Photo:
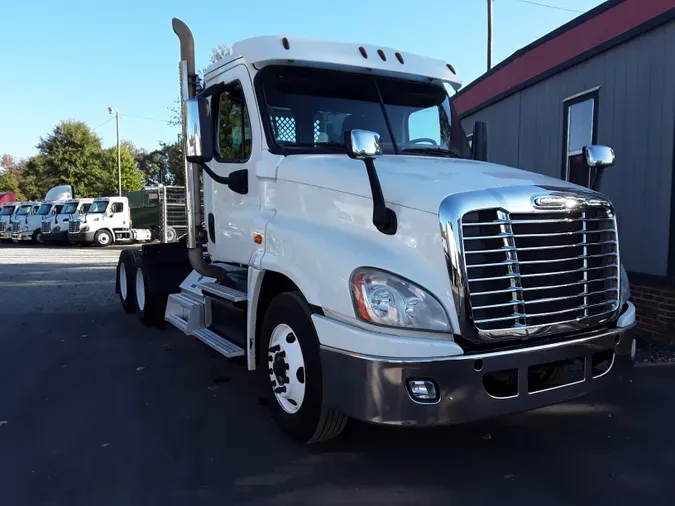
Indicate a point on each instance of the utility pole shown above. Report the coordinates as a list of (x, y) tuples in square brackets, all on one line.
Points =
[(489, 31), (119, 157)]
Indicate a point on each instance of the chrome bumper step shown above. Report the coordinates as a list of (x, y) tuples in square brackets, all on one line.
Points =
[(224, 292)]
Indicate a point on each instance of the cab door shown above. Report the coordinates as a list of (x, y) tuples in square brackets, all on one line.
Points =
[(232, 215)]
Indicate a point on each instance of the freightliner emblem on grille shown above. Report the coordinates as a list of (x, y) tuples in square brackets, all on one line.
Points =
[(567, 201)]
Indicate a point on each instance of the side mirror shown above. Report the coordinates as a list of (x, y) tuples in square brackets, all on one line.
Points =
[(199, 138), (363, 144), (598, 158), (479, 145)]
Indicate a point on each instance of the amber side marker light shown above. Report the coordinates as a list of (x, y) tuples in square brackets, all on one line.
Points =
[(382, 55), (285, 43), (399, 57), (452, 69), (257, 239), (363, 52)]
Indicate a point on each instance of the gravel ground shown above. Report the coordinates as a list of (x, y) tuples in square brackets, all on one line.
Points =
[(95, 409)]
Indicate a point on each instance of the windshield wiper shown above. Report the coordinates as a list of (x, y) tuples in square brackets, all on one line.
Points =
[(432, 151)]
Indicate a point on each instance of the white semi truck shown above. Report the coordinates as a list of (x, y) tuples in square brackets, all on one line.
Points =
[(7, 211), (55, 227), (364, 261), (107, 221)]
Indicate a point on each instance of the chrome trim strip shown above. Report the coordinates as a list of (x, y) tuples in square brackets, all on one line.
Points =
[(452, 358)]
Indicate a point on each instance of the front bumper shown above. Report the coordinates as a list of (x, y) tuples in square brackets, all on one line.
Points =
[(82, 237), (374, 389), (61, 236), (22, 236)]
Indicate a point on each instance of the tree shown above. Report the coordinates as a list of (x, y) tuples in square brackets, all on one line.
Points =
[(217, 53), (132, 177), (10, 183), (71, 155)]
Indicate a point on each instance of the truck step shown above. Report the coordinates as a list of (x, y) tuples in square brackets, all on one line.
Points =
[(218, 343), (224, 292), (185, 311)]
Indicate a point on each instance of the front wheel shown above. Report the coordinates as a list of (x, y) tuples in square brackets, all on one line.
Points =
[(103, 238), (291, 372)]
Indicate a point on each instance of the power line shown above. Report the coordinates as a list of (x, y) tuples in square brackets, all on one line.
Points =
[(103, 124), (555, 7), (144, 117)]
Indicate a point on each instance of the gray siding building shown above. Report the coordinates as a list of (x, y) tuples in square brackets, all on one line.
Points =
[(607, 77)]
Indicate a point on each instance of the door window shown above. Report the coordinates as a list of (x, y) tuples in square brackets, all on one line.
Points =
[(234, 126)]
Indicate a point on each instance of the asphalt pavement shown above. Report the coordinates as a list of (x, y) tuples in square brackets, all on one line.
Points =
[(97, 410)]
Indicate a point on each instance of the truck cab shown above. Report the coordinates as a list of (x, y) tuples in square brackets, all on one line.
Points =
[(55, 227), (365, 260), (25, 224), (7, 211)]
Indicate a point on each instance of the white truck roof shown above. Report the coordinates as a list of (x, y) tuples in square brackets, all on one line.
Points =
[(290, 50)]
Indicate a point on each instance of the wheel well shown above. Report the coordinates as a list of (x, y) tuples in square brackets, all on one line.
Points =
[(273, 284)]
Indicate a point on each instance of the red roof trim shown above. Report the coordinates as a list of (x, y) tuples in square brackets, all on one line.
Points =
[(608, 24)]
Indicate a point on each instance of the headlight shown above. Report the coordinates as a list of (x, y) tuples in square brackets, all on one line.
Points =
[(625, 287), (385, 299), (24, 228)]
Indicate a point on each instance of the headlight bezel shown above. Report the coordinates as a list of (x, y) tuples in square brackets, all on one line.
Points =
[(365, 282)]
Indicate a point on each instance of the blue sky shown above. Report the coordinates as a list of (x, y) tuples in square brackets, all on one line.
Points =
[(72, 59)]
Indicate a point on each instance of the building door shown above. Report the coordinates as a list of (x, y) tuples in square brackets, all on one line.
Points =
[(580, 129)]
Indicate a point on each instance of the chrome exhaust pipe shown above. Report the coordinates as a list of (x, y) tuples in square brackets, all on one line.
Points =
[(188, 89)]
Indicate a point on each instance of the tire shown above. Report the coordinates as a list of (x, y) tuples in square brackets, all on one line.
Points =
[(103, 238), (288, 326), (126, 264), (150, 305), (35, 238)]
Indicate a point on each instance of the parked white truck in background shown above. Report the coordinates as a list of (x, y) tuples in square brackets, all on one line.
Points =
[(55, 227), (7, 210), (23, 221), (364, 260), (106, 222)]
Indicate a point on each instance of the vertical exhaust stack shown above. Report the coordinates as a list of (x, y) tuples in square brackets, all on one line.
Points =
[(188, 84)]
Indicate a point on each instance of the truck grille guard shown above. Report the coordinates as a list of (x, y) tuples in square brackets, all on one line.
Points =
[(520, 270), (45, 227)]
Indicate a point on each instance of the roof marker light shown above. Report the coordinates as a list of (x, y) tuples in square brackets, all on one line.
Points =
[(284, 41), (363, 51), (382, 55), (399, 57), (452, 69)]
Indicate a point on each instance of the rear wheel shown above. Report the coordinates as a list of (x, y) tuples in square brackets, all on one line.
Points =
[(126, 283), (292, 375), (103, 238), (35, 238), (149, 305)]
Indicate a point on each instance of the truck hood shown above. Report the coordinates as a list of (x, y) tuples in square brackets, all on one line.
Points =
[(417, 182)]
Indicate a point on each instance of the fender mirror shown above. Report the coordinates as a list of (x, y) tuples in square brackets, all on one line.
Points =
[(199, 138), (598, 158)]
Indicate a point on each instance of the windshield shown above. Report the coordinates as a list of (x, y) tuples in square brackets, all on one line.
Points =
[(98, 207), (69, 208), (309, 110), (44, 209), (23, 210), (7, 211)]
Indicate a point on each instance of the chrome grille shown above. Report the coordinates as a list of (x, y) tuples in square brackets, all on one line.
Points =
[(534, 272), (73, 227), (3, 226), (45, 227), (16, 226)]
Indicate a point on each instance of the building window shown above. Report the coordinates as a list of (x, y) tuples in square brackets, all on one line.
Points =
[(580, 129), (234, 126)]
